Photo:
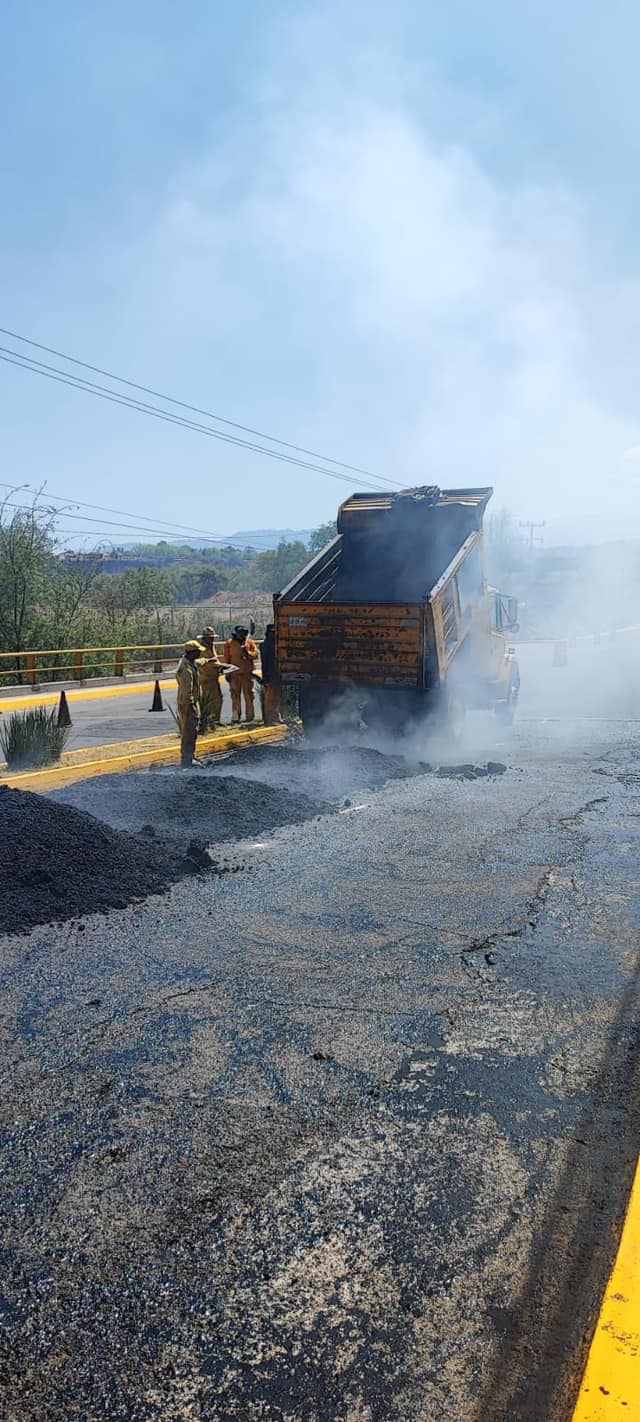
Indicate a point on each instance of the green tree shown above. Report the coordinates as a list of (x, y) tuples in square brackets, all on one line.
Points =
[(69, 592), (195, 584), (132, 592), (273, 569), (26, 563), (322, 535)]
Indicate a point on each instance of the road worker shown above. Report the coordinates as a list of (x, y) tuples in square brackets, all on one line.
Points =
[(240, 651), (188, 679), (270, 679), (210, 668)]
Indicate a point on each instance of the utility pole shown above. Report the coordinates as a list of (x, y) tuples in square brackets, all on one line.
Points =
[(533, 537)]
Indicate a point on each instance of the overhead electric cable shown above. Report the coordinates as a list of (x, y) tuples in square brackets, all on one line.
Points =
[(196, 409), (101, 522), (90, 387), (101, 508)]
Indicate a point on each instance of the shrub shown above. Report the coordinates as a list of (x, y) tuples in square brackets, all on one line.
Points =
[(32, 738)]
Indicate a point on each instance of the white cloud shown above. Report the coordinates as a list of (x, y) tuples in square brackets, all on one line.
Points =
[(360, 286)]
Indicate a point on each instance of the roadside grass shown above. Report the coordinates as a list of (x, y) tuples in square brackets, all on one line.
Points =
[(32, 738)]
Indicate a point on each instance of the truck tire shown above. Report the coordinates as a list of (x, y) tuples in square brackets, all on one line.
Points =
[(505, 711)]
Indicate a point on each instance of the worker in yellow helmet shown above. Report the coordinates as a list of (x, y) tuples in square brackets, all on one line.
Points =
[(188, 679), (210, 668)]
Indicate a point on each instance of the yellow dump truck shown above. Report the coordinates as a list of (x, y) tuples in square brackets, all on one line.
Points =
[(395, 615)]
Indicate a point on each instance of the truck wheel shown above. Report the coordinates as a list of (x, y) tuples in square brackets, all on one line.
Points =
[(505, 710)]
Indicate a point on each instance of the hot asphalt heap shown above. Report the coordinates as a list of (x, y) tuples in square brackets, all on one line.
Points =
[(101, 844), (58, 862)]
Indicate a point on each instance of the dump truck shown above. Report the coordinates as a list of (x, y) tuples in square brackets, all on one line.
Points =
[(395, 615)]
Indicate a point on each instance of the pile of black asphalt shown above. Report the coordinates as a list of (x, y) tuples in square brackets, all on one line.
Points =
[(248, 794), (58, 862), (104, 843), (176, 804)]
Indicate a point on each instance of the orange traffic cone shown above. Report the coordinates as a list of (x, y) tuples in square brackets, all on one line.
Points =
[(560, 657), (156, 704), (64, 717)]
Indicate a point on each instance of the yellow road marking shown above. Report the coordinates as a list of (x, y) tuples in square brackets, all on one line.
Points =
[(133, 755), (93, 693), (610, 1389)]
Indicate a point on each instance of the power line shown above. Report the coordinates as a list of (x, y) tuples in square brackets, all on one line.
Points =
[(100, 538), (196, 410), (533, 537), (90, 387), (81, 503), (101, 522)]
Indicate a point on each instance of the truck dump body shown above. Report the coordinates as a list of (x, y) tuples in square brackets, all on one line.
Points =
[(336, 642), (382, 605), (390, 547)]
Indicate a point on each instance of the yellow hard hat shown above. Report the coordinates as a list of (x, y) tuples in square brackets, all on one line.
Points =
[(194, 646)]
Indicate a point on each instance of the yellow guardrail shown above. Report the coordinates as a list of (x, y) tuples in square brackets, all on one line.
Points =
[(30, 668)]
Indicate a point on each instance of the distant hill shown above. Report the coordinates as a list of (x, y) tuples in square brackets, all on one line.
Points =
[(258, 539), (263, 538)]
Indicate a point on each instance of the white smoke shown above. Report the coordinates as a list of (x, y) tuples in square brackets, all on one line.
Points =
[(368, 285)]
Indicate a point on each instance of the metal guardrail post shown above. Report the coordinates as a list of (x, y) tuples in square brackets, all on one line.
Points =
[(119, 663), (31, 668), (157, 665), (78, 670)]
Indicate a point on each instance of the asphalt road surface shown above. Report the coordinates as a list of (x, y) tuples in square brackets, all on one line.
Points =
[(346, 1135), (102, 721), (106, 719)]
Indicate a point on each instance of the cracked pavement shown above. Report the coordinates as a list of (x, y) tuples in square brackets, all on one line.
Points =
[(348, 1137)]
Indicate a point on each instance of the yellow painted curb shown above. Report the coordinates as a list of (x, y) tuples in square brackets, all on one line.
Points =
[(610, 1389), (92, 693), (134, 755), (86, 754)]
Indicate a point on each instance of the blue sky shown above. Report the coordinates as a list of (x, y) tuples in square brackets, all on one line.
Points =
[(405, 239)]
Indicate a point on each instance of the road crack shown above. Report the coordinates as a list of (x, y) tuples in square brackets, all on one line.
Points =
[(536, 903)]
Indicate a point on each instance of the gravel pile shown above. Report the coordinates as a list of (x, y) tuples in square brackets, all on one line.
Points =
[(213, 807), (57, 863), (104, 842), (326, 773)]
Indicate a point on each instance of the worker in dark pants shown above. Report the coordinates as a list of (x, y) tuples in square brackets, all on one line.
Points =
[(270, 679), (188, 679)]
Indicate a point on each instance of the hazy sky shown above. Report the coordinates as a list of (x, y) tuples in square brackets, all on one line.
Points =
[(404, 235)]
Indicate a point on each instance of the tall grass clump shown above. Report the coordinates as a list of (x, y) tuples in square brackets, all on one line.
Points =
[(32, 738)]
